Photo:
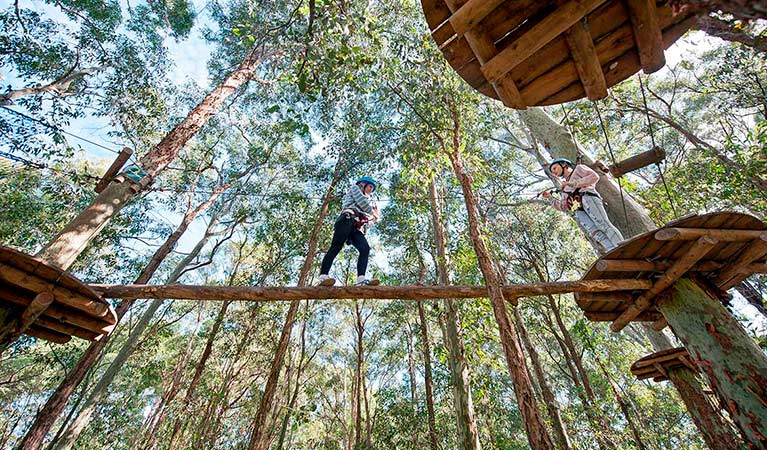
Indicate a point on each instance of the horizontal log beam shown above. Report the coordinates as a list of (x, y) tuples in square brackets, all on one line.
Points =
[(723, 235), (640, 265), (637, 161), (698, 250), (471, 13), (729, 275), (609, 316), (537, 36), (48, 335), (14, 276), (616, 298), (414, 292)]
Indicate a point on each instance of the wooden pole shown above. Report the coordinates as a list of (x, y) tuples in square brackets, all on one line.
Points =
[(755, 250), (691, 234), (680, 267), (735, 366), (113, 169), (415, 292), (31, 313), (638, 161)]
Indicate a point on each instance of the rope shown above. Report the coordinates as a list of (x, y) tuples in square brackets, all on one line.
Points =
[(569, 128), (612, 156), (41, 166), (652, 139)]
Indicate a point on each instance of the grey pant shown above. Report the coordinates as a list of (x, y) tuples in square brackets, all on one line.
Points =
[(594, 219)]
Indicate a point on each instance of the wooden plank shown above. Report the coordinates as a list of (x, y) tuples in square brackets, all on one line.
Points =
[(117, 164), (610, 298), (413, 292), (538, 36), (641, 265), (14, 276), (647, 33), (755, 250), (58, 312), (680, 267), (638, 161), (48, 335), (435, 11), (659, 324), (484, 49), (67, 329), (723, 235), (609, 316), (586, 60), (661, 358), (471, 13)]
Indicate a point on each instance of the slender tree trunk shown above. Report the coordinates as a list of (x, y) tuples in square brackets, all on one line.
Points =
[(433, 439), (358, 376), (730, 31), (72, 240), (560, 143), (185, 412), (259, 440), (552, 406), (534, 425), (59, 86), (468, 436), (735, 366)]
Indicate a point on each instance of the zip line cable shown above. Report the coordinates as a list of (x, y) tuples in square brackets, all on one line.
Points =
[(652, 140), (41, 166)]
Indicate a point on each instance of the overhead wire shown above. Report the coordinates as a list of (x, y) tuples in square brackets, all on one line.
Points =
[(612, 156)]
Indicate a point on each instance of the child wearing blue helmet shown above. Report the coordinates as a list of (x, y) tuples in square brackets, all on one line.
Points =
[(357, 210), (579, 193)]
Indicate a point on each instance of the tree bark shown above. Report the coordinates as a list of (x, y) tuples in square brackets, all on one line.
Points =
[(460, 378), (729, 31), (735, 366), (560, 143), (552, 406), (433, 439), (259, 439), (59, 86), (741, 9), (535, 427), (72, 240)]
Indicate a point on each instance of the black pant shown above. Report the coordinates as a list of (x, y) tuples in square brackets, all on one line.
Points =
[(344, 231)]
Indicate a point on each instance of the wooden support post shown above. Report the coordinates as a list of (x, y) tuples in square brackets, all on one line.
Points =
[(691, 234), (537, 36), (641, 265), (471, 13), (413, 292), (647, 34), (15, 328), (638, 161), (484, 49), (729, 276), (113, 169), (677, 270), (586, 60), (28, 281), (735, 366)]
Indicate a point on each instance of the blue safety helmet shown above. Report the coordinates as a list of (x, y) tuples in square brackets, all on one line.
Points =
[(368, 180), (561, 161)]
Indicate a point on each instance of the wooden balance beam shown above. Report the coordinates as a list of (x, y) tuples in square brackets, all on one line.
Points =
[(412, 292)]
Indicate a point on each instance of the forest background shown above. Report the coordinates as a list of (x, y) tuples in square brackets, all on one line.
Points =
[(342, 89)]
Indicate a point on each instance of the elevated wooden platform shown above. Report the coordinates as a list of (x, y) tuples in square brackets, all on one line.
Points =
[(723, 248), (657, 365), (530, 52), (48, 302), (412, 292)]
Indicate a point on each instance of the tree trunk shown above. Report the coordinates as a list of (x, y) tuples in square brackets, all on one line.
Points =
[(735, 366), (184, 412), (433, 440), (560, 143), (358, 374), (468, 436), (739, 8), (535, 427), (59, 86), (552, 407), (258, 440), (729, 31), (72, 240)]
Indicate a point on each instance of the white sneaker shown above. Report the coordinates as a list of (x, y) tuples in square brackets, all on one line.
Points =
[(326, 281), (365, 282)]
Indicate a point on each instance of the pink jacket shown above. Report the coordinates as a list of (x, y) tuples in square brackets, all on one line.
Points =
[(583, 178)]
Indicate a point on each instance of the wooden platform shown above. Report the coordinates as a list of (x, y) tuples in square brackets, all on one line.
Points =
[(657, 365), (75, 310), (722, 248), (530, 52)]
